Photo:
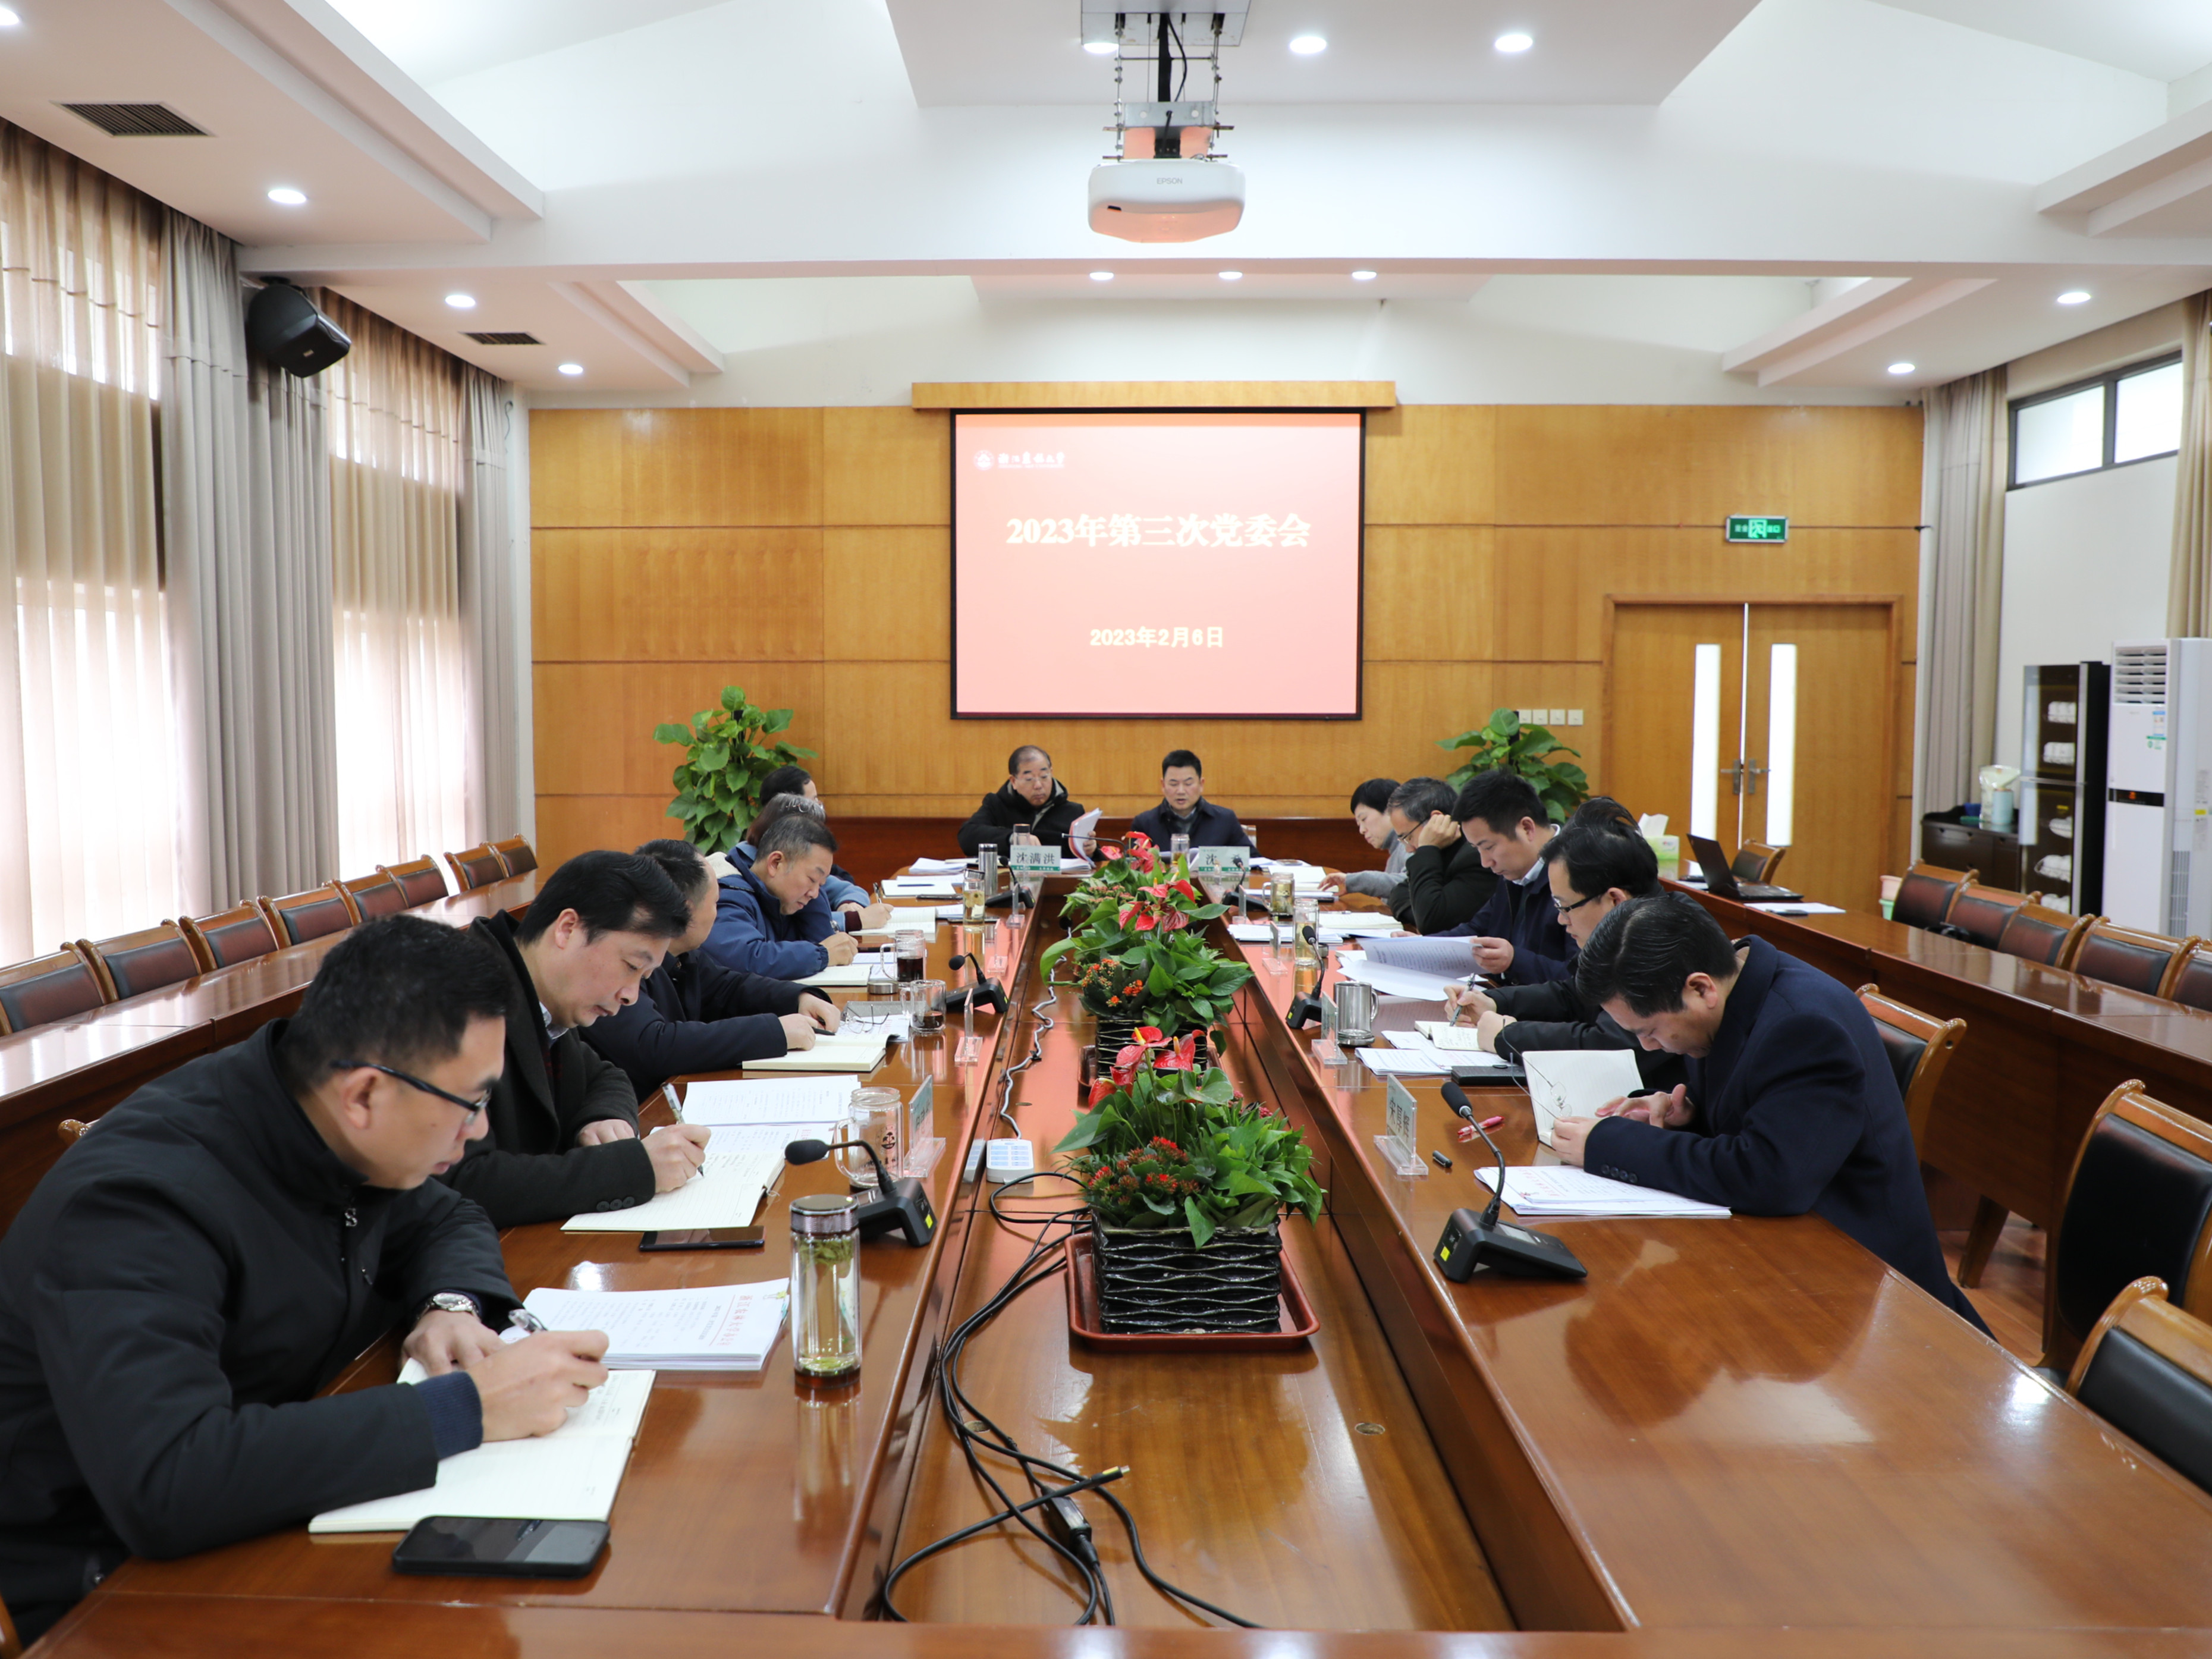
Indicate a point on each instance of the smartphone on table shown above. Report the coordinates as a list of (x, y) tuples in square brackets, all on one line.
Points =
[(477, 1544), (705, 1238)]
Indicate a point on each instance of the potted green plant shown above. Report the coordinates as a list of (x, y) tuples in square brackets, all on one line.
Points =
[(1503, 743), (1185, 1184), (727, 751)]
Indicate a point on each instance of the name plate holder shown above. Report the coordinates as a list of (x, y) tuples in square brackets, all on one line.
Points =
[(1027, 868), (1401, 1119), (923, 1149)]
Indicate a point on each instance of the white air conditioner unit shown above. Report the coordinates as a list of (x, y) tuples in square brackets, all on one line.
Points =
[(2158, 808)]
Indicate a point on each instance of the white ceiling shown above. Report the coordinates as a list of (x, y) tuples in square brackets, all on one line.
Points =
[(2164, 40), (436, 41)]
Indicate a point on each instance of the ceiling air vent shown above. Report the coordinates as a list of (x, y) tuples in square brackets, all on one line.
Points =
[(502, 339), (137, 120)]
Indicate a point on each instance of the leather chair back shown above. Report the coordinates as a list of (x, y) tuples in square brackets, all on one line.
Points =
[(298, 917), (1919, 1047), (47, 988), (517, 854), (2139, 1203), (1980, 913), (420, 880), (2042, 934), (2147, 1370), (1756, 861), (2124, 957), (479, 866), (2191, 981), (371, 896), (1924, 898), (144, 961), (230, 937)]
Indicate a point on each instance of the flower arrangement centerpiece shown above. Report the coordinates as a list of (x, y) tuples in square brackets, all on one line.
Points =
[(1186, 1183), (1136, 930)]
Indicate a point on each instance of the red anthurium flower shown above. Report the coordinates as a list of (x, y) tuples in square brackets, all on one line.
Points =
[(1144, 924), (1186, 1050), (1128, 910), (1185, 889), (1100, 1087), (1138, 838), (1149, 1035), (1177, 919)]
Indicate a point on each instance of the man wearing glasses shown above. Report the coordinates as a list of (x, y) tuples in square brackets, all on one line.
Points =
[(215, 1250), (563, 1120), (1031, 799)]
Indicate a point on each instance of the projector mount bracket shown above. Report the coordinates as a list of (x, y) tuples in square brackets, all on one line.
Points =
[(1168, 124)]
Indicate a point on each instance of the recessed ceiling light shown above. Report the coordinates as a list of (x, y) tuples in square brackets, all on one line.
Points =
[(1307, 45), (572, 368), (1101, 48), (8, 18), (1232, 276), (2075, 296), (285, 196), (1515, 41), (1363, 276), (462, 301), (1902, 368), (1102, 276)]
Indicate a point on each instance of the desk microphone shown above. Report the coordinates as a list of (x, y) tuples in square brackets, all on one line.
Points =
[(1470, 1241), (902, 1207), (1303, 1010), (983, 993)]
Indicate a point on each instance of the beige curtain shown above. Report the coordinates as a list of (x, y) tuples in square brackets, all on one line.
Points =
[(494, 598), (87, 784), (404, 713), (1962, 508), (2188, 587)]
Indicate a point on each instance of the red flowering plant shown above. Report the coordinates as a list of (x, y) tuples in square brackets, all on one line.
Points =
[(1144, 913), (1165, 1145)]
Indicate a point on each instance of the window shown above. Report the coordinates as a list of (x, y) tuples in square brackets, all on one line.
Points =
[(2129, 415)]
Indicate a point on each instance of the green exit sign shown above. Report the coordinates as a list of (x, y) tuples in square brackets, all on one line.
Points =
[(1744, 527)]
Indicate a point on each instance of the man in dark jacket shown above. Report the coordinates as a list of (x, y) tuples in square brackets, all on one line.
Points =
[(769, 915), (1185, 811), (215, 1250), (564, 1137), (1031, 799), (1598, 862), (1518, 936), (694, 1015), (1446, 881), (1790, 1104)]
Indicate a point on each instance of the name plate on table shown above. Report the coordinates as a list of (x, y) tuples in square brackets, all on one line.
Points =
[(1033, 861), (1222, 863), (922, 1147), (1401, 1119)]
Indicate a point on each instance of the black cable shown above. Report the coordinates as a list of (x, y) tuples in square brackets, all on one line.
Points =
[(1182, 52)]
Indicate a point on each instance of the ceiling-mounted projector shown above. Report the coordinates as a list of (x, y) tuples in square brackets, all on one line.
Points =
[(1165, 181)]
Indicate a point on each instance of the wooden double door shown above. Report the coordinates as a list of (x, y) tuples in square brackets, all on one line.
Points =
[(1751, 720)]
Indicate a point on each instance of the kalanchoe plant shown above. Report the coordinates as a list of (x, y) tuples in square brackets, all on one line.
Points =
[(1165, 1146), (1110, 988)]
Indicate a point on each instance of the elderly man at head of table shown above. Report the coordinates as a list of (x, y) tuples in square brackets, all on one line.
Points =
[(212, 1252), (1790, 1104)]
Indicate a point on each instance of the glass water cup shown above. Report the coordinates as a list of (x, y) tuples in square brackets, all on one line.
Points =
[(1178, 847), (882, 981), (1282, 893), (873, 1116), (826, 1285), (924, 1000), (912, 953), (1304, 914), (972, 895)]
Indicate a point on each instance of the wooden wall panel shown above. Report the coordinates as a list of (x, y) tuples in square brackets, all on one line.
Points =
[(805, 554), (677, 595)]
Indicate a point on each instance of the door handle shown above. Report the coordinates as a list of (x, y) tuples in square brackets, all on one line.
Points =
[(1735, 777), (1752, 772)]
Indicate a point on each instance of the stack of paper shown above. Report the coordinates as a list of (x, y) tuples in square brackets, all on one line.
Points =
[(1394, 981), (1442, 1033), (840, 1051), (939, 866), (784, 1100), (850, 976), (1795, 908), (705, 1328), (741, 1163), (1448, 958), (906, 919), (570, 1474), (1576, 1082), (1458, 1046), (1355, 923), (1536, 1190), (920, 887), (1420, 1060)]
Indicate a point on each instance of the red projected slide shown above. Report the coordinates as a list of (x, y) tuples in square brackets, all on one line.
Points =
[(1156, 564)]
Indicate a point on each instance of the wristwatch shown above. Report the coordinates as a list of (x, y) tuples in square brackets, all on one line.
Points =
[(452, 1301)]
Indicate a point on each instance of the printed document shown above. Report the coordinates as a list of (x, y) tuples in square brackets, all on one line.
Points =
[(1576, 1082), (705, 1327), (741, 1164), (823, 1100), (840, 1051), (1537, 1190)]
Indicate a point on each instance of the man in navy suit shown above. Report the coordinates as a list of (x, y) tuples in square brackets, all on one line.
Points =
[(1184, 809), (1791, 1105)]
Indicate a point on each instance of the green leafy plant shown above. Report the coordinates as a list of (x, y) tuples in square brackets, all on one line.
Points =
[(1503, 744), (1163, 1144), (727, 752), (1149, 920)]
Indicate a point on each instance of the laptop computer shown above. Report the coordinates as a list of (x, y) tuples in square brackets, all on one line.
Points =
[(1719, 878)]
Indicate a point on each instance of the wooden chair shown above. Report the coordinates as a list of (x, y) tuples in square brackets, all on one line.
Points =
[(1980, 913), (229, 937), (1755, 861), (2147, 1370), (1924, 898), (2139, 1202), (1919, 1047), (2039, 933), (47, 988), (420, 880), (2127, 957), (371, 896), (479, 866), (71, 1130), (144, 961), (517, 852), (2191, 980), (298, 917)]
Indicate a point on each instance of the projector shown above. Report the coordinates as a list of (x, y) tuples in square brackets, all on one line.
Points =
[(1169, 200)]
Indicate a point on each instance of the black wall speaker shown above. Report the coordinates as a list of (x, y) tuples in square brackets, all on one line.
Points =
[(284, 325)]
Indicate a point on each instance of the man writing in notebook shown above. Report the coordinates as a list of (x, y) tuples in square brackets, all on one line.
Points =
[(185, 1282), (769, 916), (1790, 1104), (564, 1136)]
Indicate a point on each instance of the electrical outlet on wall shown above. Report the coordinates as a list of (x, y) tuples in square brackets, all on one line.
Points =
[(1574, 717)]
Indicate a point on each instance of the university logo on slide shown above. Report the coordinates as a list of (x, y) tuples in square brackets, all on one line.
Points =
[(982, 460)]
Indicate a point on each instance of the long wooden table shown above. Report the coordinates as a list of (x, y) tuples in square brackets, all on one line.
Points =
[(1744, 1436)]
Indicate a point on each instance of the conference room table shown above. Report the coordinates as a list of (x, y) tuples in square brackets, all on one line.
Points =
[(1736, 1437)]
